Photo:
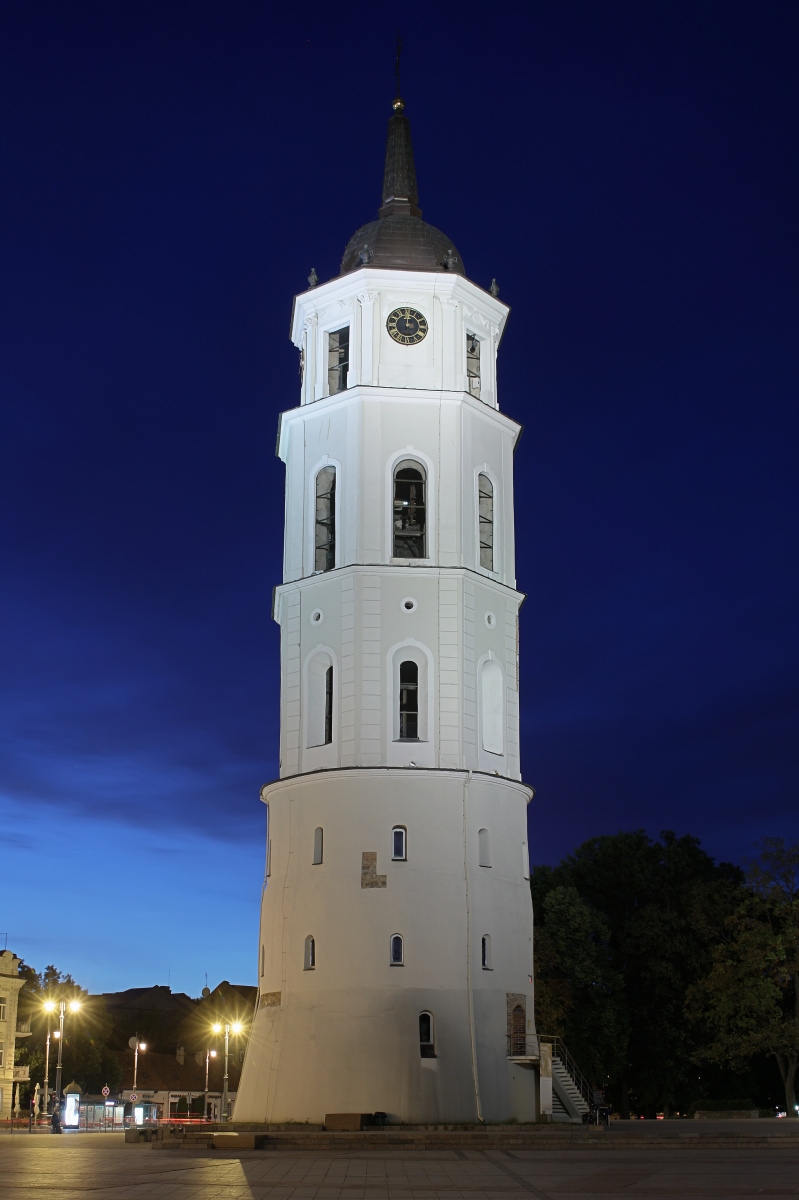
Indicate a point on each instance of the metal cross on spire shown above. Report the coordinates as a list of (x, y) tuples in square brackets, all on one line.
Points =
[(398, 104)]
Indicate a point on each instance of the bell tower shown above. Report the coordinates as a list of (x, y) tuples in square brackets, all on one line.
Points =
[(396, 957)]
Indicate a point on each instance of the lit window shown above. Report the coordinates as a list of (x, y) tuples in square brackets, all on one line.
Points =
[(409, 511), (427, 1046), (484, 848), (398, 852), (310, 953), (338, 360), (486, 951), (485, 497), (396, 950), (473, 364), (409, 702), (317, 846), (325, 536)]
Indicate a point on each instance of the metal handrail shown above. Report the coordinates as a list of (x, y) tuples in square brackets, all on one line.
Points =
[(559, 1051)]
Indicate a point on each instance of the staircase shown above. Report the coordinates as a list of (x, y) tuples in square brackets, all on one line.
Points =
[(570, 1089)]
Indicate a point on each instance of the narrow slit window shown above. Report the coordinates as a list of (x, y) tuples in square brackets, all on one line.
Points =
[(485, 951), (485, 499), (325, 530), (409, 511), (318, 837), (484, 848), (398, 846), (409, 702), (525, 860), (473, 364), (263, 956), (396, 950), (310, 953), (328, 706), (427, 1046), (338, 360)]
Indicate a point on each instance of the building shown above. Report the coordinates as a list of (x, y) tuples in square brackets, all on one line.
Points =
[(396, 946), (11, 1028), (165, 1081)]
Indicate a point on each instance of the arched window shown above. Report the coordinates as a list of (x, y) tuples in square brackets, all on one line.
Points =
[(517, 1034), (409, 511), (484, 848), (492, 707), (320, 700), (408, 701), (325, 532), (398, 843), (310, 953), (396, 950), (485, 951), (485, 508), (473, 363), (427, 1045), (317, 845)]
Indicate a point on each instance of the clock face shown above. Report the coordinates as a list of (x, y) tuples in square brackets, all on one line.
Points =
[(407, 326)]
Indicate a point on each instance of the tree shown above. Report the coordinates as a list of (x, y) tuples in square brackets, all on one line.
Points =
[(748, 1003), (86, 1056), (653, 912)]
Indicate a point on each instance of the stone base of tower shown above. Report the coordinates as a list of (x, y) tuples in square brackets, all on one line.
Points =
[(337, 1027), (347, 1057)]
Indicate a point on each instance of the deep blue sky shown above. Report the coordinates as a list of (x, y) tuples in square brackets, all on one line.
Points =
[(171, 173)]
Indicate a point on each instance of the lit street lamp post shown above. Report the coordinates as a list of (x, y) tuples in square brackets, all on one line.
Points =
[(136, 1046), (235, 1028), (209, 1054), (49, 1007), (74, 1005)]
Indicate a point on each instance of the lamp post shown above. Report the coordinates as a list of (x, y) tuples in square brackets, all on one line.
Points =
[(209, 1054), (235, 1028), (74, 1005), (49, 1007), (136, 1046)]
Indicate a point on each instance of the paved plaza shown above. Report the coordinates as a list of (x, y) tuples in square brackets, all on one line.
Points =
[(79, 1165)]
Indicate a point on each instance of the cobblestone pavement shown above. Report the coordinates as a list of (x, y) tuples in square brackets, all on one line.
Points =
[(95, 1165)]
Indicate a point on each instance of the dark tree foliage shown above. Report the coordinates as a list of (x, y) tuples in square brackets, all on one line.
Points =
[(624, 926), (86, 1055), (747, 1005)]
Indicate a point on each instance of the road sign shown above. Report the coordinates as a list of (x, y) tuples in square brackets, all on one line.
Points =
[(133, 1097), (106, 1090)]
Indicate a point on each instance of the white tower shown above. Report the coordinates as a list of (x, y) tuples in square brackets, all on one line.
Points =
[(396, 953)]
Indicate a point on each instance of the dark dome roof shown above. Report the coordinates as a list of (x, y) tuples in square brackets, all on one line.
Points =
[(401, 241), (399, 237)]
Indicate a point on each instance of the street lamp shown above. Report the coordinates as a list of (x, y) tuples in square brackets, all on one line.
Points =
[(136, 1046), (74, 1005), (234, 1028), (49, 1007), (209, 1054)]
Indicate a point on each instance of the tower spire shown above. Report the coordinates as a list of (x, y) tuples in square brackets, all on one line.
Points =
[(400, 193)]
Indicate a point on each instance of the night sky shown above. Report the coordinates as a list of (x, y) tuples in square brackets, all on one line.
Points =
[(172, 171)]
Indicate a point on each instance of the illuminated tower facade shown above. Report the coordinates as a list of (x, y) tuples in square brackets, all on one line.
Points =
[(396, 955)]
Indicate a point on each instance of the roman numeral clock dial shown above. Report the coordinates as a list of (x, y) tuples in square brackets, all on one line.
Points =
[(407, 326)]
